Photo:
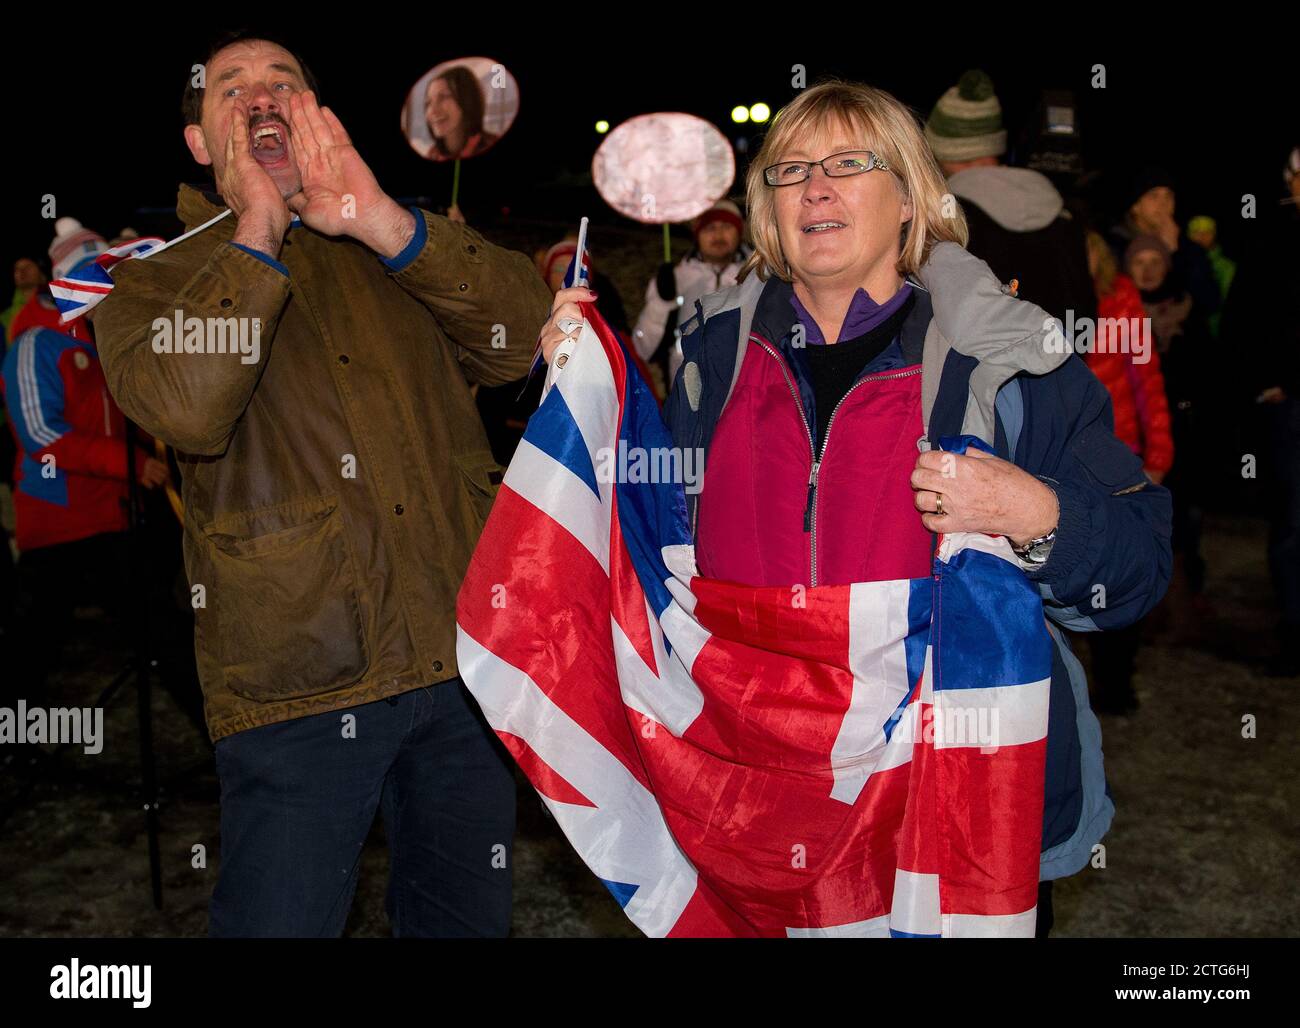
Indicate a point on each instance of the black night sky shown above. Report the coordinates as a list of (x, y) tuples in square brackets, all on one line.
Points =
[(100, 127)]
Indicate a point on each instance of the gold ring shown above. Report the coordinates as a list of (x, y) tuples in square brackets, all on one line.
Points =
[(938, 504)]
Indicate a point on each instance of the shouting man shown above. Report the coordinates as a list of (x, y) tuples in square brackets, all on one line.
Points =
[(336, 477)]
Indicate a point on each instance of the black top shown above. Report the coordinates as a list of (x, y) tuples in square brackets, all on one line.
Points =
[(833, 368)]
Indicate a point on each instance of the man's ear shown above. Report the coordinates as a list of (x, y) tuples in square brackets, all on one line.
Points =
[(198, 145)]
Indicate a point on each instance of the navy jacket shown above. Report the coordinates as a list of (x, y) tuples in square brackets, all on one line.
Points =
[(991, 371)]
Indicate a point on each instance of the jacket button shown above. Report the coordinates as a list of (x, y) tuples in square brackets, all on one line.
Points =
[(398, 508), (437, 665), (343, 358), (227, 302), (464, 286)]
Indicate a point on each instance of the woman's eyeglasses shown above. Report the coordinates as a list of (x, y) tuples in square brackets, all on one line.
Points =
[(838, 165)]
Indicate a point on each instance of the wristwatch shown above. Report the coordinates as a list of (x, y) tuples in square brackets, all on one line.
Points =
[(1035, 552)]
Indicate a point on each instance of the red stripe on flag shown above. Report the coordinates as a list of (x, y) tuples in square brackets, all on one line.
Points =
[(545, 779), (79, 287), (535, 597)]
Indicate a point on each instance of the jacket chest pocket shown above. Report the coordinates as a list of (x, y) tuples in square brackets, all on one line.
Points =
[(479, 476), (285, 599)]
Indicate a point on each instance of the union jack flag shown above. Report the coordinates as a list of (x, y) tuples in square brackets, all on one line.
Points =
[(84, 286), (87, 284), (856, 760)]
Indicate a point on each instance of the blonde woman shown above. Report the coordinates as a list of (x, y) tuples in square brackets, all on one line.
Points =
[(819, 389)]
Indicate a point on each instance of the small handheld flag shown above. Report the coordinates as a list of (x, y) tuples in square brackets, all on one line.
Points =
[(578, 273), (85, 286)]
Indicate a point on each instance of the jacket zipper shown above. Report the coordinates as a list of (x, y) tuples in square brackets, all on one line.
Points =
[(810, 509)]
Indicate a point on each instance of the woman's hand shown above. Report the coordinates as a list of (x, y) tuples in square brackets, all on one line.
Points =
[(565, 306), (982, 493)]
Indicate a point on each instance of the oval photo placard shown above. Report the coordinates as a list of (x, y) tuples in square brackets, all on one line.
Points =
[(460, 108), (664, 167)]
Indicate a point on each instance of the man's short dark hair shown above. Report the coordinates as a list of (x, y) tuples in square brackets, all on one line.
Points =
[(192, 101)]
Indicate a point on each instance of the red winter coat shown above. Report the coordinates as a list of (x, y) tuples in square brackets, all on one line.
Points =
[(59, 408), (1137, 391)]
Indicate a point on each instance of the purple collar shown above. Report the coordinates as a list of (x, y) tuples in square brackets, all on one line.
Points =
[(863, 315)]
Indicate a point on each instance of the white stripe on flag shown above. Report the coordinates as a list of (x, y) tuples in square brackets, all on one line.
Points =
[(998, 546), (560, 494), (588, 390), (872, 928), (991, 926), (624, 838), (915, 908), (672, 697), (984, 719), (878, 659)]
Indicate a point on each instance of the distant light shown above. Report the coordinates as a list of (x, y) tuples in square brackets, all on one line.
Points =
[(740, 114), (602, 126), (760, 113)]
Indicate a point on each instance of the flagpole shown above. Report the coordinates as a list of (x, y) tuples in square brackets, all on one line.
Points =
[(582, 248)]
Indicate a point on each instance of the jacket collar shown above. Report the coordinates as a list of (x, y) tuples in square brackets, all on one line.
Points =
[(774, 320), (197, 204)]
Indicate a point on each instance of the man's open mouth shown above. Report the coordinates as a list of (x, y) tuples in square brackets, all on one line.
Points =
[(269, 142)]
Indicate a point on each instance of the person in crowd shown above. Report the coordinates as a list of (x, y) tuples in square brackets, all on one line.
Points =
[(335, 478), (816, 361), (1150, 205), (1182, 342), (553, 263), (1263, 318), (1016, 219), (29, 276), (1125, 360), (1203, 231), (713, 264), (70, 474), (453, 113)]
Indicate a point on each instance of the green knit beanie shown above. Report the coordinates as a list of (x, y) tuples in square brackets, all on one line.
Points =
[(966, 123)]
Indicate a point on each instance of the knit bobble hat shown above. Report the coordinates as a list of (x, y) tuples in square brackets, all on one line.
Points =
[(723, 210), (966, 123), (73, 246)]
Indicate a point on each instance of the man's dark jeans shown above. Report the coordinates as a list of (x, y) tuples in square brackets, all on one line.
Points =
[(298, 799)]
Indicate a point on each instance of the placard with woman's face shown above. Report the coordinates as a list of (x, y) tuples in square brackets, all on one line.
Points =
[(663, 167), (460, 108)]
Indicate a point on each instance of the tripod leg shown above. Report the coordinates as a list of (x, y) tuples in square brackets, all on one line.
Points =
[(149, 778)]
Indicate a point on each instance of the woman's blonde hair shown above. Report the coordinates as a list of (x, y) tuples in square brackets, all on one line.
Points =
[(884, 126)]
